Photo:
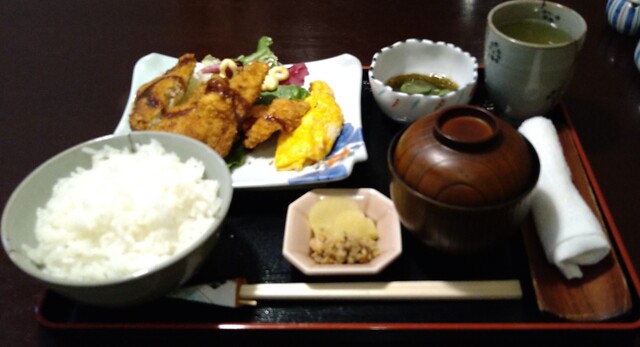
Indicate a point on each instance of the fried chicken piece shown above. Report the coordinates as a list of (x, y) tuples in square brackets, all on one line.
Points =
[(215, 110), (264, 120), (208, 117), (155, 97), (246, 80), (248, 84)]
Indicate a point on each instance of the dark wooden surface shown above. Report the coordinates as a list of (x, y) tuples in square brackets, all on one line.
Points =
[(66, 73)]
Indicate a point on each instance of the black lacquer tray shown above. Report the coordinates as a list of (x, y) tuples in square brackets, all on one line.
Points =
[(250, 248)]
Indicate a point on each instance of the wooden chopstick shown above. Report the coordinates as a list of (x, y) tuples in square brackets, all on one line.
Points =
[(398, 290)]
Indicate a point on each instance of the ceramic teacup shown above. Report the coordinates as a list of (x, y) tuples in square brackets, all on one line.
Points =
[(530, 54)]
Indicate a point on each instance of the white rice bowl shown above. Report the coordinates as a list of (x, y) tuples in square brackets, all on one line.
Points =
[(146, 235), (125, 214)]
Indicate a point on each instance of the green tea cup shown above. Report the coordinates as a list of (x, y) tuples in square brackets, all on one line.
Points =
[(530, 53)]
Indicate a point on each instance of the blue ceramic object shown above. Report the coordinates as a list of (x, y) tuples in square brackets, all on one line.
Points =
[(624, 16), (636, 56)]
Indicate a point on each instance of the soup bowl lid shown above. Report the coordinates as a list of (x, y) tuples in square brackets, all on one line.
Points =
[(465, 156)]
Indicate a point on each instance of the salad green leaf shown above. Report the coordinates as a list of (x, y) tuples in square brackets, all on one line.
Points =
[(236, 156), (292, 92), (263, 53)]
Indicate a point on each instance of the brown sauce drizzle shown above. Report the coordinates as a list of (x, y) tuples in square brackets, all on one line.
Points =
[(221, 87), (147, 94)]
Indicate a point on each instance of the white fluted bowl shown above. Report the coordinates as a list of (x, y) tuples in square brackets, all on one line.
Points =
[(423, 57)]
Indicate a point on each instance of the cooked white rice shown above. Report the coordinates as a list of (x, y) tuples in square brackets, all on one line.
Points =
[(126, 213)]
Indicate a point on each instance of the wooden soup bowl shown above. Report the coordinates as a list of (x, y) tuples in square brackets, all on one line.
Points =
[(462, 179)]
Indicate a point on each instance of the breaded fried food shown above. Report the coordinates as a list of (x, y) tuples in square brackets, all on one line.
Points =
[(248, 83), (317, 133), (265, 120), (215, 110), (155, 97), (208, 116)]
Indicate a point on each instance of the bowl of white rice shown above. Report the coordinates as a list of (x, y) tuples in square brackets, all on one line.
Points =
[(119, 220)]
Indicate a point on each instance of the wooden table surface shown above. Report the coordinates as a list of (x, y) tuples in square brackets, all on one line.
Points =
[(66, 74)]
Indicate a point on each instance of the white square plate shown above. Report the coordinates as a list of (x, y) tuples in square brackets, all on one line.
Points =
[(343, 73)]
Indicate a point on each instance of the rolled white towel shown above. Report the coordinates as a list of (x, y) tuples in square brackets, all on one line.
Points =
[(569, 231)]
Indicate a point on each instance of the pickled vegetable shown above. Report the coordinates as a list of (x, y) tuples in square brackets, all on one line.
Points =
[(415, 83)]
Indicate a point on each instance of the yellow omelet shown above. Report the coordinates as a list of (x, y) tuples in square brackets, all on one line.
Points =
[(314, 137)]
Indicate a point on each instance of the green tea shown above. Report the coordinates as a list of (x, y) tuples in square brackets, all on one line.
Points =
[(535, 31)]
